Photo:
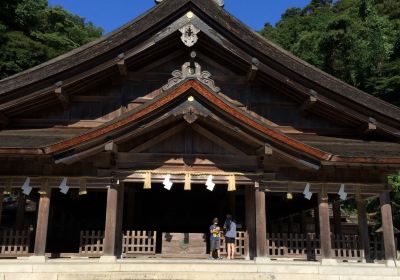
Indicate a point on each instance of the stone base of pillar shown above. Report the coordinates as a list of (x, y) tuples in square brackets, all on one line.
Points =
[(329, 262), (262, 260), (37, 259), (108, 259)]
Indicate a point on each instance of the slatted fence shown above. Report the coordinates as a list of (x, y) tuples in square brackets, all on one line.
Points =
[(139, 243), (294, 246), (241, 244), (347, 247), (91, 243), (14, 243)]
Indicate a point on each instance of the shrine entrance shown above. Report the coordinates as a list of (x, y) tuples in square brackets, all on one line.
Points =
[(178, 219)]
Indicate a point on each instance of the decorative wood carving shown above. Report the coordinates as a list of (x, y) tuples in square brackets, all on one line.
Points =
[(189, 35), (190, 72)]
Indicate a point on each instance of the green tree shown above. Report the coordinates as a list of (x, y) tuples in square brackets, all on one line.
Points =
[(32, 32)]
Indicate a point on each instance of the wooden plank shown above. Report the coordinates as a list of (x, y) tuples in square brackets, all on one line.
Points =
[(217, 140), (42, 223)]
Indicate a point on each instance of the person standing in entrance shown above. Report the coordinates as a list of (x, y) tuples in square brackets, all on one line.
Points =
[(230, 236), (215, 232)]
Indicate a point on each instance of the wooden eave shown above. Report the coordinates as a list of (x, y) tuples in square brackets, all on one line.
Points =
[(131, 34), (218, 102)]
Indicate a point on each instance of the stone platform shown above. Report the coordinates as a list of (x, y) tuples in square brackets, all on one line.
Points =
[(88, 269)]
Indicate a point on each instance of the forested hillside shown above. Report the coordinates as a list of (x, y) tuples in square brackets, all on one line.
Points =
[(32, 32), (357, 41)]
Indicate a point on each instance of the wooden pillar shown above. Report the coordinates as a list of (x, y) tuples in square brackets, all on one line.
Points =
[(324, 226), (316, 220), (19, 224), (363, 227), (261, 222), (42, 223), (387, 226), (111, 221), (250, 220), (337, 217), (120, 213)]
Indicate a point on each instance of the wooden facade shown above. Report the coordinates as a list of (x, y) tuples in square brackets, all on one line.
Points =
[(188, 91)]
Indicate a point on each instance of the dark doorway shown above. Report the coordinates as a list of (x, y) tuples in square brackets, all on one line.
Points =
[(71, 213), (178, 210)]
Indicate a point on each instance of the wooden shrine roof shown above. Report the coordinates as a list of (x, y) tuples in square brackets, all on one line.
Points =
[(109, 46), (323, 149)]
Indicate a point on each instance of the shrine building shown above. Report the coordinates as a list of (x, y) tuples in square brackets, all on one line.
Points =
[(130, 145)]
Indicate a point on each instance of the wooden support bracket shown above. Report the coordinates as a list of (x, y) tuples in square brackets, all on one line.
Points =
[(252, 72), (122, 68), (265, 150), (111, 147), (61, 95), (309, 102), (368, 127)]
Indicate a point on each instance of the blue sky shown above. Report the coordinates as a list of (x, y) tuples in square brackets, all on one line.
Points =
[(112, 14)]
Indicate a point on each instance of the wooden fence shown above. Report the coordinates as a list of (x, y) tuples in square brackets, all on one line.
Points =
[(347, 247), (139, 243), (14, 243), (295, 246), (241, 244), (91, 243)]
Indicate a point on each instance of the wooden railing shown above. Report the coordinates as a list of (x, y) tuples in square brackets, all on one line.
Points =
[(139, 243), (347, 247), (241, 244), (14, 243), (91, 243), (295, 246)]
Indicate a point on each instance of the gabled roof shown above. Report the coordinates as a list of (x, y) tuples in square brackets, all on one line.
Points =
[(276, 138), (130, 34)]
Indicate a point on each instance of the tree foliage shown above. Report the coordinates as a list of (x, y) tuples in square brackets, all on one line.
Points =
[(32, 32), (357, 41)]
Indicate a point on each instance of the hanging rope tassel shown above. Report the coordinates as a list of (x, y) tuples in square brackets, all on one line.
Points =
[(232, 183), (147, 181), (188, 181)]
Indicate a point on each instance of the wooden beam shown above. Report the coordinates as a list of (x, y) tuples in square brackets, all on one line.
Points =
[(265, 150), (252, 73), (61, 95), (42, 223), (122, 68), (111, 221), (134, 160), (309, 103), (111, 147), (158, 139), (217, 140), (387, 226), (368, 127), (20, 217)]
